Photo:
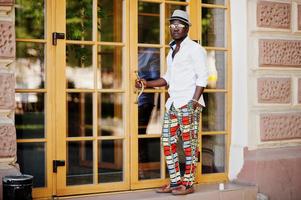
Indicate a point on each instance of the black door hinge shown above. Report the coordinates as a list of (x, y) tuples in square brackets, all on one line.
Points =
[(56, 36), (57, 163)]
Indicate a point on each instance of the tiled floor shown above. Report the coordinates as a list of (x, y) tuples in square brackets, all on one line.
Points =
[(202, 192)]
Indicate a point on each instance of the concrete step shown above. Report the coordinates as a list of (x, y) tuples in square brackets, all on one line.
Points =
[(232, 191)]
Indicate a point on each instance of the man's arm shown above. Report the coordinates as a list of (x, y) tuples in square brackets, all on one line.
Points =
[(197, 94), (155, 83)]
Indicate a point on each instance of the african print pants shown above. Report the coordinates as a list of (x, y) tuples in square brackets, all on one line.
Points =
[(182, 122)]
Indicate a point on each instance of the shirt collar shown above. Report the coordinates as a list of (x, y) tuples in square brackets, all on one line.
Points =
[(173, 43)]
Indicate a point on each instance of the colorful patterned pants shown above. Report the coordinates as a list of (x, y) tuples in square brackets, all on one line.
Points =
[(182, 122)]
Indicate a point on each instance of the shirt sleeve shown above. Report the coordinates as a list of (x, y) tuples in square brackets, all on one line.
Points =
[(199, 57)]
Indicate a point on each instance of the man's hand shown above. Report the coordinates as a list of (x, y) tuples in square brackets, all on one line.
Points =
[(195, 104), (139, 82)]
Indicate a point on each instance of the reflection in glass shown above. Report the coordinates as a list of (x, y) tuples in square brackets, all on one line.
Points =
[(110, 63), (220, 2), (79, 19), (217, 65), (30, 19), (149, 23), (109, 23), (31, 159), (169, 8), (149, 154), (79, 114), (213, 154), (79, 163), (110, 114), (30, 70), (213, 27), (110, 161), (149, 113), (213, 116), (30, 115), (79, 70)]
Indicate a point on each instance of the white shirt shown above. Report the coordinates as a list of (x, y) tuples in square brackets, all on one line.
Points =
[(185, 71)]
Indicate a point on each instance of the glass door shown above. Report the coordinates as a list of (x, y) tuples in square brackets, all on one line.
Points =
[(91, 97), (149, 47)]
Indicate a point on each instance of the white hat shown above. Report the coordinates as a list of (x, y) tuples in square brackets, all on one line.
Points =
[(180, 15)]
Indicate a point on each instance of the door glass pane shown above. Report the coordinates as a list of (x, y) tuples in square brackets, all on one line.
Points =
[(148, 23), (30, 66), (149, 155), (213, 115), (79, 70), (30, 115), (213, 27), (31, 158), (79, 20), (110, 161), (79, 114), (110, 114), (150, 113), (220, 2), (217, 64), (169, 8), (109, 21), (213, 154), (30, 18), (110, 63), (79, 163)]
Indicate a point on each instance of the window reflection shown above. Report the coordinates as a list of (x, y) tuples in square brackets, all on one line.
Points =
[(110, 161), (79, 20), (31, 158), (30, 115), (217, 65), (213, 27), (79, 114), (110, 114), (110, 67), (79, 70), (221, 2), (30, 70), (30, 19), (110, 23), (213, 116), (213, 154), (79, 163), (149, 23), (149, 158)]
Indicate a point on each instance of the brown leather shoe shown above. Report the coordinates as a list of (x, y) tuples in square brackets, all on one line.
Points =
[(182, 190), (165, 189)]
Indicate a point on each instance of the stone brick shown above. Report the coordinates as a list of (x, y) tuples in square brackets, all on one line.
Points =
[(299, 17), (276, 171), (280, 126), (299, 90), (273, 15), (275, 53), (8, 144), (7, 91), (6, 2), (7, 40), (274, 90)]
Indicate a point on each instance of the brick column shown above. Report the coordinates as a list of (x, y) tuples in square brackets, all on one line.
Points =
[(8, 146)]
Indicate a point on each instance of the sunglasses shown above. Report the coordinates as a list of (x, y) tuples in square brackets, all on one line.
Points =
[(178, 26)]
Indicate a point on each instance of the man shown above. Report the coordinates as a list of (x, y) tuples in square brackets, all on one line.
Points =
[(186, 77)]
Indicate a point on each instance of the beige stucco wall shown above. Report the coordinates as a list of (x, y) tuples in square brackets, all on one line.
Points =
[(272, 155), (7, 92), (274, 72)]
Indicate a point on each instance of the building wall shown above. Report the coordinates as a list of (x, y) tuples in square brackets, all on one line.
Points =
[(271, 155), (7, 92)]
